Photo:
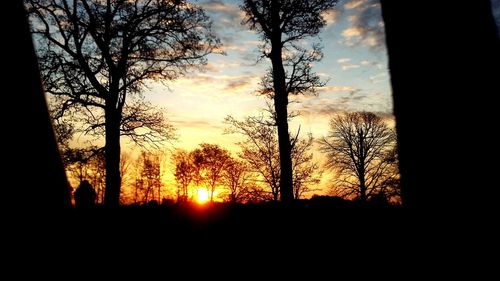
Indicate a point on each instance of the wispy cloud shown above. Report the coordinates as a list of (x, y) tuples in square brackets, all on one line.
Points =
[(352, 32), (353, 4), (344, 99), (230, 11), (219, 66), (381, 77), (227, 18), (193, 123), (234, 47), (239, 84), (365, 23), (217, 84), (343, 60), (330, 16), (350, 66), (337, 89)]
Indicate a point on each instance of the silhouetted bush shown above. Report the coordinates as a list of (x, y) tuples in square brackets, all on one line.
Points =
[(85, 195)]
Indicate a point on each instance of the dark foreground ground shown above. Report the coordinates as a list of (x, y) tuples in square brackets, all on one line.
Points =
[(255, 241), (304, 223)]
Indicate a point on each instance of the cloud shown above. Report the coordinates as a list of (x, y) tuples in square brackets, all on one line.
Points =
[(228, 11), (239, 84), (337, 89), (221, 65), (381, 77), (330, 16), (331, 109), (226, 19), (365, 62), (344, 104), (350, 66), (352, 32), (366, 25), (234, 47), (353, 4), (343, 60), (334, 99), (194, 123)]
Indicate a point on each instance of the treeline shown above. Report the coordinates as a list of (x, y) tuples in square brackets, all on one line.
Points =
[(359, 149)]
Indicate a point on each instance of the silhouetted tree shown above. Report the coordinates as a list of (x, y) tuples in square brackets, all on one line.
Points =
[(306, 172), (282, 24), (141, 122), (260, 149), (126, 176), (360, 148), (184, 173), (210, 161), (96, 174), (148, 181), (236, 177), (64, 132), (94, 54)]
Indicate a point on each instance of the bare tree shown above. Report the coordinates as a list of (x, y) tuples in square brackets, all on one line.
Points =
[(127, 177), (184, 173), (210, 161), (64, 133), (142, 122), (94, 54), (237, 177), (306, 172), (360, 148), (260, 150), (282, 24), (148, 179)]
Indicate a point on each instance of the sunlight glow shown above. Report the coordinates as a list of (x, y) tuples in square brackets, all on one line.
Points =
[(202, 196)]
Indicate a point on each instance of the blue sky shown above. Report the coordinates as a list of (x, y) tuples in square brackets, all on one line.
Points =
[(354, 64)]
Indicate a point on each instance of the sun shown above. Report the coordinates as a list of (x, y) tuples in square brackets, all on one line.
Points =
[(202, 197)]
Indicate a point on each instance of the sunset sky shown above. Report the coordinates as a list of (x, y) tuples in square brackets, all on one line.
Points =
[(354, 64)]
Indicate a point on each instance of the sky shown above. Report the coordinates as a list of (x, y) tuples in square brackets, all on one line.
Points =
[(354, 66)]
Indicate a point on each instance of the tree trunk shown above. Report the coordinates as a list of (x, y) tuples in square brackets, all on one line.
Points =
[(435, 174), (362, 188), (112, 155), (285, 148), (280, 106), (159, 193)]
